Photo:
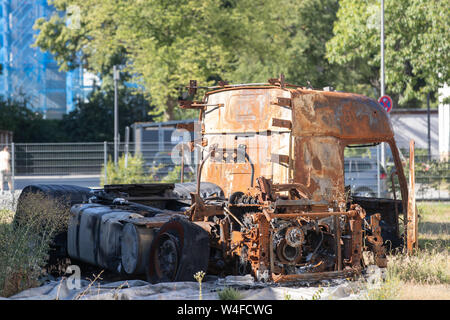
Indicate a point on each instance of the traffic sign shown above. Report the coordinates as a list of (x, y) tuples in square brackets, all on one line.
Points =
[(386, 103)]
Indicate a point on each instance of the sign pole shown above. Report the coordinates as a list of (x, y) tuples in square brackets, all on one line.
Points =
[(382, 49)]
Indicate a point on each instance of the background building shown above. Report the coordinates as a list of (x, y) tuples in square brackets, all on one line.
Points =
[(29, 72)]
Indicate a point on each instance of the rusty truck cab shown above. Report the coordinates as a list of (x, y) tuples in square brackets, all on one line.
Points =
[(277, 152), (292, 136)]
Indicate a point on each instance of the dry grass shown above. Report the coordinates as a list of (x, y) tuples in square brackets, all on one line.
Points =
[(434, 225), (410, 291), (24, 243), (426, 273)]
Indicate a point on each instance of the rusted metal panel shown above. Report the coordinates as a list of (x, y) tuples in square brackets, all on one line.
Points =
[(319, 166), (347, 116), (411, 226), (339, 118), (245, 110), (237, 175), (247, 119)]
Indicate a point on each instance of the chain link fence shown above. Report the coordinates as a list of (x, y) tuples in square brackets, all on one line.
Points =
[(36, 161), (368, 175)]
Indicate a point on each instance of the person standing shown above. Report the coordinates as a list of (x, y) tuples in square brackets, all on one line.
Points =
[(5, 168)]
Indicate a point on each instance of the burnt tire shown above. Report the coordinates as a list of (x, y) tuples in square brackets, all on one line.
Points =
[(67, 194), (179, 250)]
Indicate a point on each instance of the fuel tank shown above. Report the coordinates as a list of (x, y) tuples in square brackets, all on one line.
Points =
[(94, 235), (135, 247)]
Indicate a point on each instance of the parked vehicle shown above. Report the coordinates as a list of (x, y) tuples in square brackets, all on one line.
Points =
[(361, 174)]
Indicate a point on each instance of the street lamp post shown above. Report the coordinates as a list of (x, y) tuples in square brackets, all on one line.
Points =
[(383, 156), (116, 116)]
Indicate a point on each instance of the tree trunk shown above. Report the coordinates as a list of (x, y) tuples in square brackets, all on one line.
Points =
[(169, 113)]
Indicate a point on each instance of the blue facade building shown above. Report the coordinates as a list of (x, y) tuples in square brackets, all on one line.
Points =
[(29, 73)]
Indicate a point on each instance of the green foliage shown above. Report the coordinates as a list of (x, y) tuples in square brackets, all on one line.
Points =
[(26, 124), (134, 172), (417, 47), (175, 176), (363, 152), (229, 293), (24, 245), (92, 121), (429, 174), (164, 44), (284, 37)]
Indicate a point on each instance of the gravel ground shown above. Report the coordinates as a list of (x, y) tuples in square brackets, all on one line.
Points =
[(8, 200)]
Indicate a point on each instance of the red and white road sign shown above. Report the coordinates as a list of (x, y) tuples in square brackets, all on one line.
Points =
[(386, 103)]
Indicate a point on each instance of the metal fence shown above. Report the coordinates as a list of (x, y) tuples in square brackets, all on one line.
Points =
[(66, 159), (363, 169), (367, 175)]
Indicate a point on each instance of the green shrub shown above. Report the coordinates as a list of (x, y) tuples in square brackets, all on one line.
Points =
[(24, 245), (229, 294), (175, 176), (134, 172)]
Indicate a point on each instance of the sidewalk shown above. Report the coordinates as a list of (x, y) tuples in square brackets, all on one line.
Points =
[(88, 181)]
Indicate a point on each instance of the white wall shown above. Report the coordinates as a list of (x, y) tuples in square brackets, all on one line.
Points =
[(409, 126)]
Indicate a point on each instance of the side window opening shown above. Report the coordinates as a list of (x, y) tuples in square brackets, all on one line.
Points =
[(365, 176)]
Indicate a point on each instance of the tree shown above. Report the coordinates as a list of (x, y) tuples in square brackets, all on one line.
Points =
[(417, 47), (26, 124), (92, 120), (164, 44), (285, 36)]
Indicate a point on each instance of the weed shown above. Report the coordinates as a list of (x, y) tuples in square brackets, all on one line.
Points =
[(229, 293), (287, 296), (199, 277), (133, 172), (387, 290), (423, 267), (88, 288), (317, 295), (25, 240)]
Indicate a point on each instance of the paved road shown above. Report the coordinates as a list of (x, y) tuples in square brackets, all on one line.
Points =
[(83, 181)]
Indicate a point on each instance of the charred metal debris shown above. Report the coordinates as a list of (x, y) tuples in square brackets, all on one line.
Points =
[(269, 199)]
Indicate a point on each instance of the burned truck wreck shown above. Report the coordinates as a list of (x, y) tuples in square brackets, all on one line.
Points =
[(269, 197)]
